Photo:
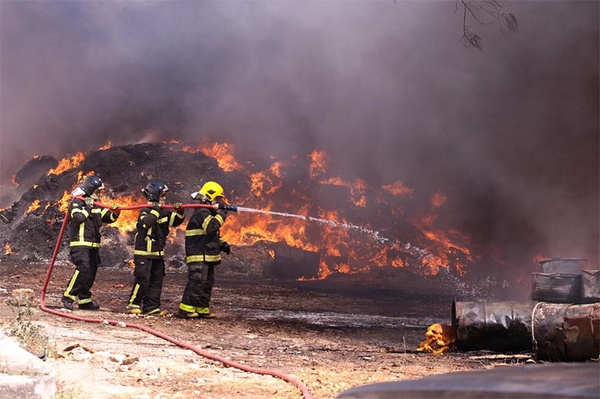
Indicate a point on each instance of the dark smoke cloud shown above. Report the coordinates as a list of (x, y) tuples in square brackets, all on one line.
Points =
[(510, 134)]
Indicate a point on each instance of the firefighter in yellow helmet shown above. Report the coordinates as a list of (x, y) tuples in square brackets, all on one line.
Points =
[(85, 219), (203, 247)]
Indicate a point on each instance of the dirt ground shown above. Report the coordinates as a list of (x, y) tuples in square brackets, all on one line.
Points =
[(329, 340)]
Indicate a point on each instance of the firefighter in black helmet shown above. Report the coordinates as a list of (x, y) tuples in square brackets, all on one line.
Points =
[(84, 242), (151, 234), (203, 247)]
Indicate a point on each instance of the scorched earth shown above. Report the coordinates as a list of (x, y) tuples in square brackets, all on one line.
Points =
[(329, 335)]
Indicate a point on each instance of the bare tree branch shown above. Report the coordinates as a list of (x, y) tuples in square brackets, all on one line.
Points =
[(484, 12)]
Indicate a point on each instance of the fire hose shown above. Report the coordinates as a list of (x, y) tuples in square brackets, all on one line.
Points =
[(290, 379)]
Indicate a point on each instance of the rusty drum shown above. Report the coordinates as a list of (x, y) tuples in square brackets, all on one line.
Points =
[(563, 265), (556, 287), (590, 286), (564, 332), (497, 326)]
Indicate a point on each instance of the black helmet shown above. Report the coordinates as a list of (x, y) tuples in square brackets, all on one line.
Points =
[(91, 184), (155, 191)]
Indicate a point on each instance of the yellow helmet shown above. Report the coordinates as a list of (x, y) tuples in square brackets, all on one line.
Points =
[(212, 190)]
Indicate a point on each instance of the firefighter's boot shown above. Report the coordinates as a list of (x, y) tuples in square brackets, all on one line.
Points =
[(157, 312), (67, 302), (187, 315), (134, 309)]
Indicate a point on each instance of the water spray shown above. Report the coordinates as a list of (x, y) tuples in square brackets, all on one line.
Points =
[(417, 252)]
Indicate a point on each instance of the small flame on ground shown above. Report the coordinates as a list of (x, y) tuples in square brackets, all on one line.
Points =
[(7, 249)]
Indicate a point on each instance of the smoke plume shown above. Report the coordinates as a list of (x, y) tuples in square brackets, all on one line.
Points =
[(509, 135)]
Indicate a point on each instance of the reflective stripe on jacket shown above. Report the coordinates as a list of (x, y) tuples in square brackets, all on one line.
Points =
[(85, 222), (152, 230), (202, 236)]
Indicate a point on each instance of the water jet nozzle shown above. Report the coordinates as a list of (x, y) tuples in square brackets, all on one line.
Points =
[(232, 208)]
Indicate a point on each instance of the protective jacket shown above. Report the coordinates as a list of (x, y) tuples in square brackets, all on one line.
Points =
[(84, 229), (202, 236), (152, 230)]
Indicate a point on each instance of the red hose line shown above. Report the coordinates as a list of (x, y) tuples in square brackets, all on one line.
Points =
[(294, 381)]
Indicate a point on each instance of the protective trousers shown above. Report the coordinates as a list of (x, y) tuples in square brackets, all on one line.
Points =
[(149, 275), (86, 262), (198, 290)]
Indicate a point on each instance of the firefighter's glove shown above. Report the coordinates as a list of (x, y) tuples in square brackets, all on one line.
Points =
[(89, 201), (225, 247), (115, 209), (177, 205)]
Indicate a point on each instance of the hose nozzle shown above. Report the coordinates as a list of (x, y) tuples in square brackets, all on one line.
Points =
[(224, 207)]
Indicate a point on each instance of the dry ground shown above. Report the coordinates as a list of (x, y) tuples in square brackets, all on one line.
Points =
[(330, 341)]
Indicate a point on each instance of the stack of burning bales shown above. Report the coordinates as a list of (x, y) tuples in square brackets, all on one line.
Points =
[(560, 323)]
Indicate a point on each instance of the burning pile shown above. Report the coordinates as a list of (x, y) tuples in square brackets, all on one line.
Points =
[(352, 225)]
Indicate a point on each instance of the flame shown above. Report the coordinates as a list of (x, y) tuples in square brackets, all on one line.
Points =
[(7, 249), (357, 189), (266, 182), (127, 219), (439, 338), (318, 162), (438, 199), (64, 201), (35, 205), (223, 153), (66, 164), (398, 188), (382, 236), (106, 146)]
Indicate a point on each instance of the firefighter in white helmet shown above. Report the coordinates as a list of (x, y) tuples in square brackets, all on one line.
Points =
[(203, 247)]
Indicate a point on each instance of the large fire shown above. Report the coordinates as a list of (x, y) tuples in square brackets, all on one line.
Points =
[(356, 227)]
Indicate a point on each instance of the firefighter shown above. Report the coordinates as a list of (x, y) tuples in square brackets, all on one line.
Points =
[(86, 218), (151, 234), (203, 247)]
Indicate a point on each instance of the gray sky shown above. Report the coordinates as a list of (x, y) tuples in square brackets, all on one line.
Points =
[(387, 89)]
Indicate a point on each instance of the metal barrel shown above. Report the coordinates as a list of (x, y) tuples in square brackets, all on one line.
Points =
[(565, 332), (556, 287), (590, 286), (563, 265), (497, 326), (554, 331)]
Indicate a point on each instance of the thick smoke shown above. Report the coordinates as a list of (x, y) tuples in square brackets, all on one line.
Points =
[(510, 134)]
